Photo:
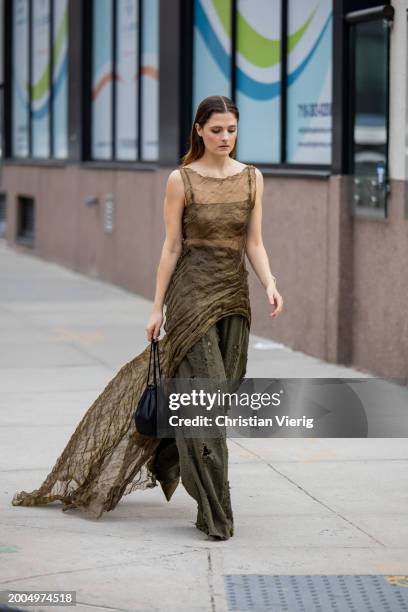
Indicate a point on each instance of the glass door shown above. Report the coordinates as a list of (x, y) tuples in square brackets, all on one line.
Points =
[(369, 106)]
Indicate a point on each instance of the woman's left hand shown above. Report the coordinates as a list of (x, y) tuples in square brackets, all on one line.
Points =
[(275, 299)]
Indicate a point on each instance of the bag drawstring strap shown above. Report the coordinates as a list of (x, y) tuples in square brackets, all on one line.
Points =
[(154, 350), (150, 361), (158, 358)]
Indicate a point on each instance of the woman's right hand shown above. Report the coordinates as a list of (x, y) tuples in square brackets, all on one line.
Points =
[(154, 324)]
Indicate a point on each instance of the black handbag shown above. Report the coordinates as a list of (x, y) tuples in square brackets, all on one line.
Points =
[(145, 415)]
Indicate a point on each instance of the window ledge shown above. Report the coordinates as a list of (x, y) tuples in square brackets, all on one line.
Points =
[(25, 241), (366, 214), (314, 173), (118, 165), (17, 161), (295, 172)]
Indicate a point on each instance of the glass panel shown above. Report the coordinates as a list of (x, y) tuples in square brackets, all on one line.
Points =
[(60, 78), (150, 80), (40, 88), (309, 94), (258, 65), (101, 146), (212, 49), (20, 104), (126, 79), (370, 137)]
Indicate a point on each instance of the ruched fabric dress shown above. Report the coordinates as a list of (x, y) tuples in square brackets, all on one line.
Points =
[(206, 307)]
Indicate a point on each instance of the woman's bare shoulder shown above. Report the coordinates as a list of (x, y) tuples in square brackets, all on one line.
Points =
[(175, 175), (257, 171), (175, 179), (258, 175), (175, 185)]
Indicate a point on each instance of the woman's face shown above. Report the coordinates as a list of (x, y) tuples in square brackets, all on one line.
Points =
[(219, 133)]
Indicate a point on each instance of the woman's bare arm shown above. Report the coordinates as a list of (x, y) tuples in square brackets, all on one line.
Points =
[(171, 250), (256, 252)]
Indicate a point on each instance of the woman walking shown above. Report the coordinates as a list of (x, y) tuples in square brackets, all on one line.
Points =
[(212, 213)]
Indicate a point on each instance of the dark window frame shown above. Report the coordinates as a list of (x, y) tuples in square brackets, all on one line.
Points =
[(3, 213), (283, 167), (354, 18), (79, 106), (26, 211), (382, 12), (113, 161)]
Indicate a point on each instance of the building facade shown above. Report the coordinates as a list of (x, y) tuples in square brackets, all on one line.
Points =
[(97, 101)]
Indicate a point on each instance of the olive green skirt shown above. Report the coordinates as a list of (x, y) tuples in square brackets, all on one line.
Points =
[(200, 461)]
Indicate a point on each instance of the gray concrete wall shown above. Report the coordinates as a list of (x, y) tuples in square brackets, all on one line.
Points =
[(379, 316)]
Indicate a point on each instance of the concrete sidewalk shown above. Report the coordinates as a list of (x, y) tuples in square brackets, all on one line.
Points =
[(301, 506)]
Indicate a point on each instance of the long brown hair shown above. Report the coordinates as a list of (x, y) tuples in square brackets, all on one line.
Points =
[(208, 106)]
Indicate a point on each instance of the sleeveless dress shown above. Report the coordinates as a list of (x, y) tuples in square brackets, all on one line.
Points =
[(207, 296)]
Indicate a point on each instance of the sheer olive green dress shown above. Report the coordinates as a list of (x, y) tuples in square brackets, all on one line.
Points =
[(207, 322)]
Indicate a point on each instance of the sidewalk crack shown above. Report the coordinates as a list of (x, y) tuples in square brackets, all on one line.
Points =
[(319, 501), (210, 581)]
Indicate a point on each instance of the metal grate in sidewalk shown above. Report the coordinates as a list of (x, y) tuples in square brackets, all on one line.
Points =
[(361, 593)]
